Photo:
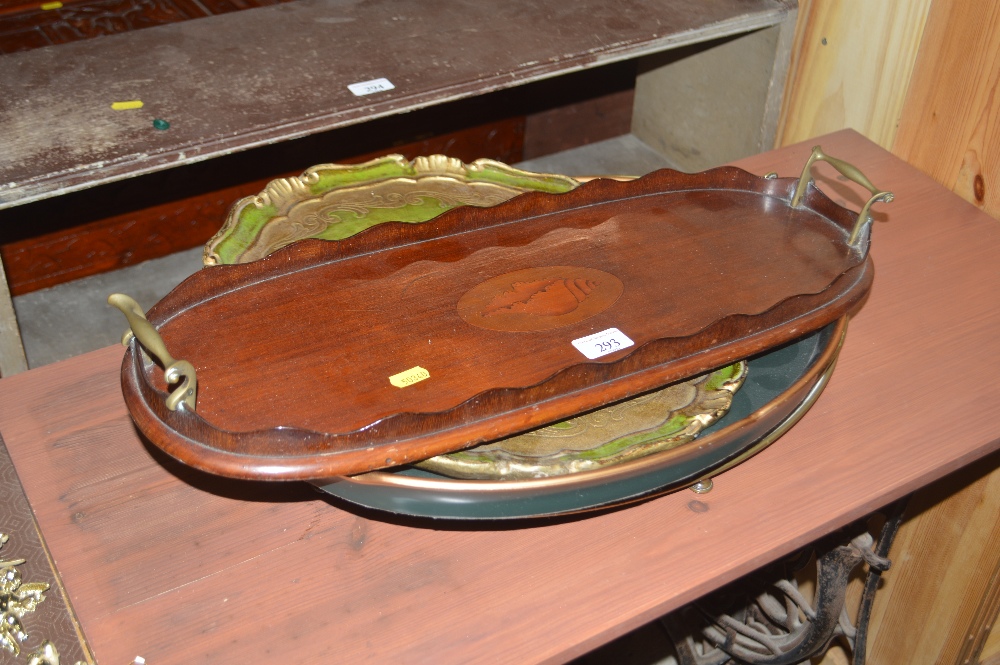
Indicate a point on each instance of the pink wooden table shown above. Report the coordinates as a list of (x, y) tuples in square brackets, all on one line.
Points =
[(177, 567)]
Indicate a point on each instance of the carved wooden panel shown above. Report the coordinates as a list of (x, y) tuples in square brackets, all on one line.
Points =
[(36, 27), (28, 26)]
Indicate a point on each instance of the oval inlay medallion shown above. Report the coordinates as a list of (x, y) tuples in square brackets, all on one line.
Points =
[(537, 299)]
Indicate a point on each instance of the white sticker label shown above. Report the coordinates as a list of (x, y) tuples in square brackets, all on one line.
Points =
[(370, 87), (602, 343)]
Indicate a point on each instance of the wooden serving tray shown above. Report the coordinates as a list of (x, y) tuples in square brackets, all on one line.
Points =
[(407, 341)]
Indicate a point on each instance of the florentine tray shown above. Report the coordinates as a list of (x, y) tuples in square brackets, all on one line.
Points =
[(781, 385), (653, 422), (407, 341)]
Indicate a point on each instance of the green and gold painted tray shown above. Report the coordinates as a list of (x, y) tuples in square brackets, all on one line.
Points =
[(780, 387), (645, 425), (335, 201)]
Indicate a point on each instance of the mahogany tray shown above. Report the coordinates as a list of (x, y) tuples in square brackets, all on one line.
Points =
[(407, 341)]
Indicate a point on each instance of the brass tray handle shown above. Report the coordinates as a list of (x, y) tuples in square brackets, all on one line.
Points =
[(173, 370), (850, 172)]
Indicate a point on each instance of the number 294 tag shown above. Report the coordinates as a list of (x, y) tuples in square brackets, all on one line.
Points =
[(370, 87), (602, 343)]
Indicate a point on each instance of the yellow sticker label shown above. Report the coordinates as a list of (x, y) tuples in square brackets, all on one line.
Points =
[(52, 5), (127, 106), (409, 377)]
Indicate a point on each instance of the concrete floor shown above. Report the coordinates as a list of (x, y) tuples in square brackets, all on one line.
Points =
[(73, 318)]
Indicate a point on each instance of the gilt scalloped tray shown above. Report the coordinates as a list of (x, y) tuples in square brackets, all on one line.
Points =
[(335, 201), (781, 386), (651, 423), (408, 341)]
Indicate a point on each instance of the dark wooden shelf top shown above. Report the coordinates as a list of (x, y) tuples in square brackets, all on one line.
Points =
[(232, 82)]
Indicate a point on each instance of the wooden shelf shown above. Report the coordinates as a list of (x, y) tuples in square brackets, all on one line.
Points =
[(229, 83)]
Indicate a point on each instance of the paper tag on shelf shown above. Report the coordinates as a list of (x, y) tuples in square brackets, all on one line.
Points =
[(602, 343), (369, 87)]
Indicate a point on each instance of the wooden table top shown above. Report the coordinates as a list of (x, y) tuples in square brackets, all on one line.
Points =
[(250, 78), (177, 567)]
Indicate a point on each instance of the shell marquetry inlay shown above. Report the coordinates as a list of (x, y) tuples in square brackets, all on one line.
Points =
[(536, 299)]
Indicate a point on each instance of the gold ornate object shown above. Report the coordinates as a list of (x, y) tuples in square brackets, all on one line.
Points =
[(17, 599), (173, 370), (45, 654), (283, 192), (335, 201), (850, 172), (641, 426)]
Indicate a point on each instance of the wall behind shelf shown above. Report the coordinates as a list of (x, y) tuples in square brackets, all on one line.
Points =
[(919, 78)]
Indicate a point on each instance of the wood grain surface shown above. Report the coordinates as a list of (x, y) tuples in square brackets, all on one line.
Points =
[(919, 78), (991, 649), (946, 565), (169, 564), (221, 94), (851, 66), (950, 127)]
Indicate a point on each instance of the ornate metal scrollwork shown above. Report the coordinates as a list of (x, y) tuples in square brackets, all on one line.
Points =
[(17, 599), (766, 619)]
